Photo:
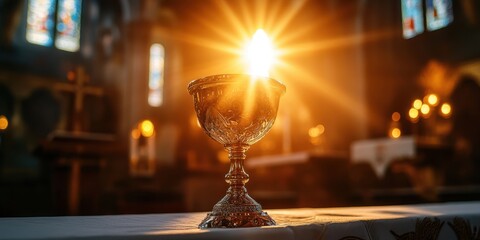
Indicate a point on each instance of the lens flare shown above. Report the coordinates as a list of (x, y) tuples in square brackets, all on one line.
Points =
[(228, 32), (260, 54)]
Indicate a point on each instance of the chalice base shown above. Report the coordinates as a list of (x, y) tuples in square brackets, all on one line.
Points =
[(237, 209), (237, 220)]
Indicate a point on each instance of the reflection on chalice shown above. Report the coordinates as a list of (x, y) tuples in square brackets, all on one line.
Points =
[(236, 110)]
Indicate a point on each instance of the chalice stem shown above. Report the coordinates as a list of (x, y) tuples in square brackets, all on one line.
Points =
[(237, 177)]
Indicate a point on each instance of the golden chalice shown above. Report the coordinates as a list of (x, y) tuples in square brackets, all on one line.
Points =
[(236, 110)]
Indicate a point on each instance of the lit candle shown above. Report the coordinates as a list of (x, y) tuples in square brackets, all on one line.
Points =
[(3, 122), (446, 110)]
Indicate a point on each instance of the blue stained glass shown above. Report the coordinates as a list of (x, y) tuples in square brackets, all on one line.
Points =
[(155, 81), (439, 14), (40, 22), (68, 25), (412, 16)]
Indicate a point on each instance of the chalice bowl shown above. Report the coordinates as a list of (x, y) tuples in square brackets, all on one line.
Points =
[(236, 110)]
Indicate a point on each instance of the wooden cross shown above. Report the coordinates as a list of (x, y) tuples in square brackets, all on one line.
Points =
[(79, 89)]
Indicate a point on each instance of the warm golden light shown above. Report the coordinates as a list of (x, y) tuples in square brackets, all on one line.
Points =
[(229, 32), (396, 116), (3, 122), (446, 109), (146, 128), (425, 109), (417, 104), (260, 54), (135, 134), (194, 123), (396, 133), (413, 113), (432, 99), (316, 131), (222, 156), (71, 76)]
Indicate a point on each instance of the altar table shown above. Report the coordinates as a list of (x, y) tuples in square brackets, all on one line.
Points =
[(426, 221)]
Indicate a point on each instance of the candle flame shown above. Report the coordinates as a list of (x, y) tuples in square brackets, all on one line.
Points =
[(446, 109), (417, 104), (146, 128), (260, 54), (396, 133), (3, 122), (413, 113), (425, 109), (432, 99)]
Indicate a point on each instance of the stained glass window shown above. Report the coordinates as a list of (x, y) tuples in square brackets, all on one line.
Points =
[(412, 15), (40, 22), (155, 82), (68, 25), (439, 14)]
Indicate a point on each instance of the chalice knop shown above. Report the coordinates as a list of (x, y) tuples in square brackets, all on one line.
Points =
[(236, 110)]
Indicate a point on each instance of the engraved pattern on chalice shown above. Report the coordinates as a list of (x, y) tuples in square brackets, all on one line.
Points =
[(237, 111)]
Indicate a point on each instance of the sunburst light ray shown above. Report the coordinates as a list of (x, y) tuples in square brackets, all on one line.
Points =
[(228, 27)]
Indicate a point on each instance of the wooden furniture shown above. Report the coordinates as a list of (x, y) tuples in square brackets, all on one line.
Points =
[(78, 150)]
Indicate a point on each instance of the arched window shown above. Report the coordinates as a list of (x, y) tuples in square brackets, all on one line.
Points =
[(156, 75), (43, 28)]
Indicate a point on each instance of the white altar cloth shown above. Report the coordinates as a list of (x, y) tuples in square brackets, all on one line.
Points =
[(447, 220), (380, 153)]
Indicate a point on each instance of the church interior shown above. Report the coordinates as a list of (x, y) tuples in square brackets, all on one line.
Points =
[(382, 103)]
